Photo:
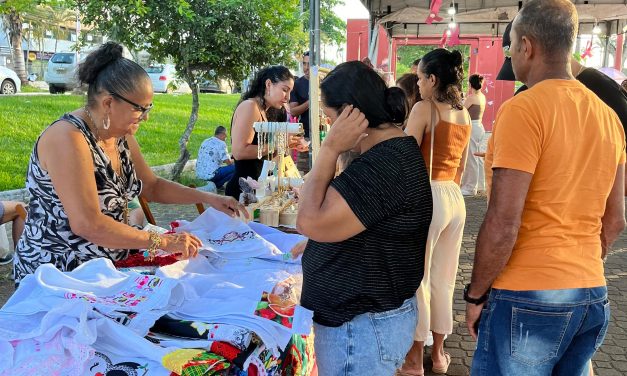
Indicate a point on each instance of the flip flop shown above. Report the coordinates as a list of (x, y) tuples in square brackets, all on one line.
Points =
[(444, 369)]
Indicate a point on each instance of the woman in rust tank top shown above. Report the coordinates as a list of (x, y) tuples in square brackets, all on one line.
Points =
[(441, 125)]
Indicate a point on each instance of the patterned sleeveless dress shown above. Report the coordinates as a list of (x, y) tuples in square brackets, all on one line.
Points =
[(47, 236)]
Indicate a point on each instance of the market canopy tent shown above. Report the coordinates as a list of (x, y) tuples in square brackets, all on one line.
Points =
[(407, 18)]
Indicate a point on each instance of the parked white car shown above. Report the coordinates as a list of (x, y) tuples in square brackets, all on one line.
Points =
[(161, 76), (61, 72), (9, 81)]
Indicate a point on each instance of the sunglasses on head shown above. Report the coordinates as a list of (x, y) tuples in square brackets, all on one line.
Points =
[(136, 107)]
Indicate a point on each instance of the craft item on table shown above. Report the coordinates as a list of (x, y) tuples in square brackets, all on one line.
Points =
[(274, 136), (269, 215), (58, 355), (271, 210), (279, 305), (288, 216), (193, 362), (137, 260), (247, 196), (102, 365), (300, 356), (263, 189), (104, 288), (234, 335)]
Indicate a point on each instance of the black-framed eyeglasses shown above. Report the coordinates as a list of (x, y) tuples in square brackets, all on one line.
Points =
[(136, 107)]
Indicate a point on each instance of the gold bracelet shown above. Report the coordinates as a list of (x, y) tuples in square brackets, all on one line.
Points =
[(155, 242)]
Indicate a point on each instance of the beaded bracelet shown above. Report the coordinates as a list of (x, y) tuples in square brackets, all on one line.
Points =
[(155, 242)]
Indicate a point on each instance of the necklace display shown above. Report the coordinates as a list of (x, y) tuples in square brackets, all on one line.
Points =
[(119, 172), (274, 137)]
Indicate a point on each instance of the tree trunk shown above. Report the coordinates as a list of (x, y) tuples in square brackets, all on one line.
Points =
[(184, 153), (15, 36)]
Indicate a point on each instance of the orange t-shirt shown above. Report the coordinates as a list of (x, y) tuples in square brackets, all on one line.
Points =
[(572, 143)]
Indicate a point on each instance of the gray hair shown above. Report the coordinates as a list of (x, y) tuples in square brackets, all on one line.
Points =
[(552, 24), (106, 69)]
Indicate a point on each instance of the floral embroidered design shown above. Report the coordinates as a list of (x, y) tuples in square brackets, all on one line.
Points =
[(233, 236), (103, 366)]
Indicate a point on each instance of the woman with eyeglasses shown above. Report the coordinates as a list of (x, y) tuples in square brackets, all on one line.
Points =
[(87, 166)]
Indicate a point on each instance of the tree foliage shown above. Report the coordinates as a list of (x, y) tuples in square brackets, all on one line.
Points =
[(332, 27), (223, 39), (12, 12)]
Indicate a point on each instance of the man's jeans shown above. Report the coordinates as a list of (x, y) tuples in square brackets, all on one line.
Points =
[(369, 344), (548, 332), (223, 175)]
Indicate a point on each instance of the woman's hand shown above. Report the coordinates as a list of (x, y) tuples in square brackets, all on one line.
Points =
[(347, 131), (184, 244), (294, 140), (228, 205)]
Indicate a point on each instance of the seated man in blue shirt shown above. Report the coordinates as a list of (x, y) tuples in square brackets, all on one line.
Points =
[(212, 154)]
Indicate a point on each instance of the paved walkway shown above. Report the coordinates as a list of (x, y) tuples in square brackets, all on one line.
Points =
[(611, 360)]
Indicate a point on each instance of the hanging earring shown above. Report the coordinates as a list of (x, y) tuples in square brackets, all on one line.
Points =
[(106, 122)]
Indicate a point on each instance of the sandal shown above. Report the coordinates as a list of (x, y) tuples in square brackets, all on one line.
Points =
[(442, 370)]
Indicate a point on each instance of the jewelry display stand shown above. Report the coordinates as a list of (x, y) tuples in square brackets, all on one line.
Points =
[(276, 199)]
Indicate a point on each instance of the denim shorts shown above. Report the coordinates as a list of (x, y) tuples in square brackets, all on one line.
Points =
[(369, 344), (548, 332)]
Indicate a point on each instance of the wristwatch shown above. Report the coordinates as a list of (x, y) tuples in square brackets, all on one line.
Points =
[(473, 300)]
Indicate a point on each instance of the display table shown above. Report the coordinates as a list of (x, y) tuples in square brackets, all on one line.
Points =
[(230, 311)]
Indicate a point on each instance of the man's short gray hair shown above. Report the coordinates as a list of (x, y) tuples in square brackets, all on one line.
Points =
[(552, 24)]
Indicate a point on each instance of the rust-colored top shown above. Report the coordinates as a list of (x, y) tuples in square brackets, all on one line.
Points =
[(449, 143)]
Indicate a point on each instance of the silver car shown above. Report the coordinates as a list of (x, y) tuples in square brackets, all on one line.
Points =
[(9, 82), (61, 73)]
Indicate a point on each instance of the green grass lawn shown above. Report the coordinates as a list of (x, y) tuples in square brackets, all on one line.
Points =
[(23, 118), (32, 89)]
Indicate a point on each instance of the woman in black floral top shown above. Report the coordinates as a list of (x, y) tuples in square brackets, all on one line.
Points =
[(87, 166)]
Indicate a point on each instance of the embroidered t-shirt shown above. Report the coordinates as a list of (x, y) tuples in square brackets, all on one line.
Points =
[(388, 189), (212, 153)]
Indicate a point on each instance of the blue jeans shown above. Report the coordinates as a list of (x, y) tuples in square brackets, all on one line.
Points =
[(547, 332), (223, 175), (369, 344)]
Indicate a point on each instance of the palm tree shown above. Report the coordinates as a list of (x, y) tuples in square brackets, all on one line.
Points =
[(58, 18), (12, 22)]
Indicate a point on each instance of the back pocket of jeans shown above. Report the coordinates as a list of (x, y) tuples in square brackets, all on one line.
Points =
[(536, 336), (394, 331), (606, 323)]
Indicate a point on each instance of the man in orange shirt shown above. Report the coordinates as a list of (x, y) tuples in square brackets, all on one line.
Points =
[(556, 206)]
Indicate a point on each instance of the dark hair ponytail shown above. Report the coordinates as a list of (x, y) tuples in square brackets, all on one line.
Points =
[(409, 83), (107, 69), (357, 84), (447, 67), (396, 104), (475, 81), (257, 87)]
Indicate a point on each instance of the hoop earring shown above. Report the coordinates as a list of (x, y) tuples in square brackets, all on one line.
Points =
[(106, 122)]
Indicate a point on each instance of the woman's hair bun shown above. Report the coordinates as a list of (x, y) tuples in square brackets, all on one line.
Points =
[(396, 104), (98, 60), (456, 58)]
